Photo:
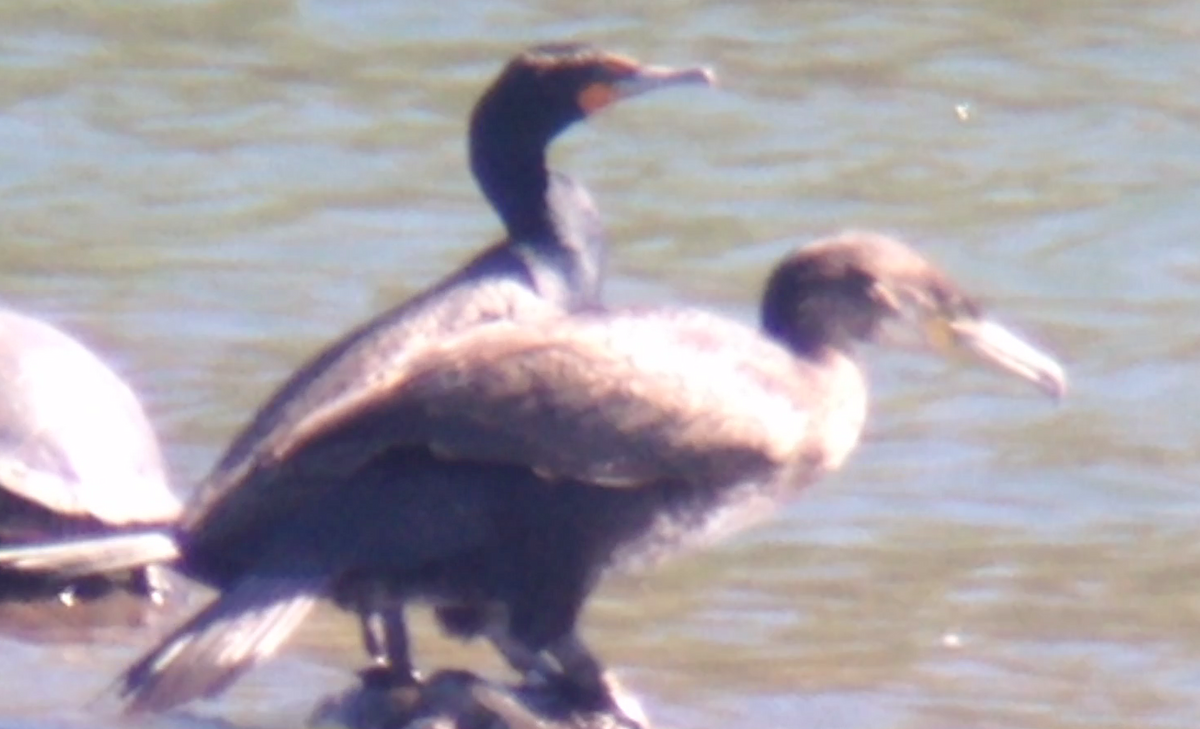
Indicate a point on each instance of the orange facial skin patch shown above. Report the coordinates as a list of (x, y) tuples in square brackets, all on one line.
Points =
[(596, 96)]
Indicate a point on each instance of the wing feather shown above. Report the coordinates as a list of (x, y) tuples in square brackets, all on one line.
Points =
[(616, 401)]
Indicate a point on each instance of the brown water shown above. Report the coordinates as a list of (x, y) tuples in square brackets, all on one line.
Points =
[(207, 191)]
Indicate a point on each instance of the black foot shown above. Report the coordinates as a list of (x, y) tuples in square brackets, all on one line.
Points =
[(386, 678), (387, 692), (384, 699)]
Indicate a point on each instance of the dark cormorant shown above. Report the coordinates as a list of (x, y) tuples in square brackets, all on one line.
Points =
[(500, 472), (550, 261), (77, 456)]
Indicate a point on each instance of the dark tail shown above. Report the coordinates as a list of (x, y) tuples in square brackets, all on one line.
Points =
[(91, 556), (243, 627)]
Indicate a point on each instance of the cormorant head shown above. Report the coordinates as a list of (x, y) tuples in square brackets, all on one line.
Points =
[(861, 286), (547, 88)]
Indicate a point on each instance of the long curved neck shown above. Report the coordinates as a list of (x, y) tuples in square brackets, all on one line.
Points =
[(810, 337), (811, 318), (508, 159), (548, 217)]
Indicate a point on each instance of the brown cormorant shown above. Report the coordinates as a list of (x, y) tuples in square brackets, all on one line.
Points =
[(499, 473)]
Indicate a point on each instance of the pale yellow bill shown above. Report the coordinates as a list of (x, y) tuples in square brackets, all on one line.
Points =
[(1004, 350)]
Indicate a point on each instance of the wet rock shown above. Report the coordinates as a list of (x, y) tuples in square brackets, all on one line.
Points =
[(462, 700)]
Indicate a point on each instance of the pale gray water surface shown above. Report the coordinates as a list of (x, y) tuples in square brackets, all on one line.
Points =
[(207, 191)]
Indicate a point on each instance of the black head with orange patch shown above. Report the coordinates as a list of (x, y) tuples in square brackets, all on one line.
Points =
[(545, 89)]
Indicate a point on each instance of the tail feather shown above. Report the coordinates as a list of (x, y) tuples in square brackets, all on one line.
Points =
[(242, 628), (91, 556)]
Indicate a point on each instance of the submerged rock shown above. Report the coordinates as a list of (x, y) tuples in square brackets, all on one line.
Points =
[(462, 700)]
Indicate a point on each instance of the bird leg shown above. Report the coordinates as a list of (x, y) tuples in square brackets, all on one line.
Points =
[(578, 676), (529, 663), (385, 637), (391, 684), (578, 662), (590, 686)]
